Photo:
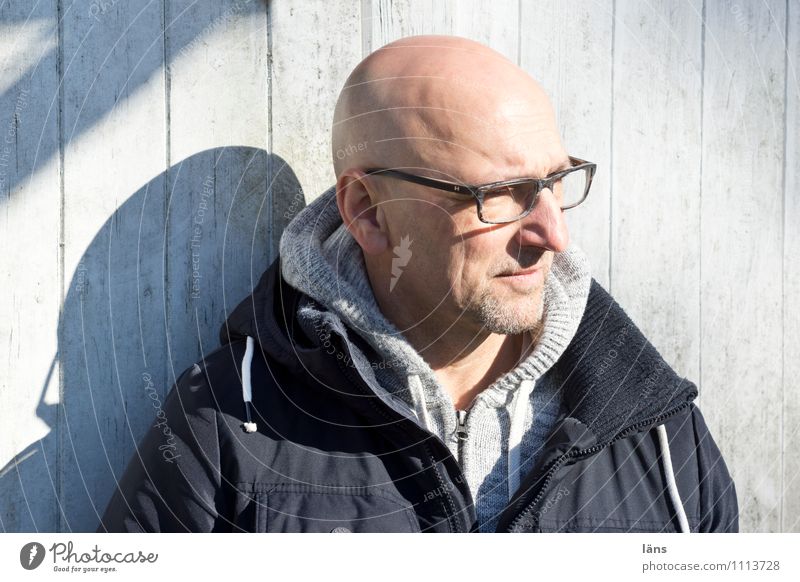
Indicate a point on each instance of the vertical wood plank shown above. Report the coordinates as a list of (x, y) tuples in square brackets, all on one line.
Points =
[(742, 247), (392, 19), (702, 166), (113, 139), (493, 23), (217, 205), (315, 45), (790, 521), (655, 212), (567, 48), (29, 266)]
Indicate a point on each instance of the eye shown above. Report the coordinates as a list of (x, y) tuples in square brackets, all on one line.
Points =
[(508, 201), (514, 194)]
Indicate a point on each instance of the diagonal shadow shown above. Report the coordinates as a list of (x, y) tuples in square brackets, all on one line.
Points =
[(98, 62), (147, 299)]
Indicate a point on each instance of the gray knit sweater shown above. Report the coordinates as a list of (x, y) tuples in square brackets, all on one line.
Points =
[(507, 423)]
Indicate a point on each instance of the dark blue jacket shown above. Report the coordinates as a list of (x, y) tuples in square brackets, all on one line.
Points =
[(632, 454)]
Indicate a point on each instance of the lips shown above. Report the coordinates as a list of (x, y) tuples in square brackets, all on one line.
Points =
[(521, 272)]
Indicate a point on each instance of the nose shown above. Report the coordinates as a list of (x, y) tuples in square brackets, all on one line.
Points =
[(545, 226)]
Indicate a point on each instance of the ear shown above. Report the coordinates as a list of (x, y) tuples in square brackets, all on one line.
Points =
[(361, 212)]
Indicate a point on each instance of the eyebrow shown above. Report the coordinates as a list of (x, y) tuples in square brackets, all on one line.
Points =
[(564, 165)]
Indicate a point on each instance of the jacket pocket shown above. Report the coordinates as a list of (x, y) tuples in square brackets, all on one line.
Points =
[(305, 508)]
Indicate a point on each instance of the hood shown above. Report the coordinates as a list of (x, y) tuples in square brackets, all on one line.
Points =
[(323, 260), (611, 375)]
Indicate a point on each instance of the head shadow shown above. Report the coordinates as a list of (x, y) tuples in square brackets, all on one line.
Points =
[(145, 301)]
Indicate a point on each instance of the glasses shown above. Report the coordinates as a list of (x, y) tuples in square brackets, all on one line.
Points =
[(510, 200)]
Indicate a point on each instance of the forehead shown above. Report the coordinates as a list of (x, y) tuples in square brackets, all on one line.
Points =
[(504, 159), (523, 141), (532, 161), (512, 140)]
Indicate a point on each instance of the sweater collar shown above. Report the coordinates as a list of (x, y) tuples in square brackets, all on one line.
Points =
[(322, 259)]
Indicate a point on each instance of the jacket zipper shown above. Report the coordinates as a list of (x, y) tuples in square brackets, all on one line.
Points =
[(461, 432), (455, 525), (525, 501)]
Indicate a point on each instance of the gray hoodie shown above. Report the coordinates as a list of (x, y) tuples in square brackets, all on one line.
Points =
[(506, 424)]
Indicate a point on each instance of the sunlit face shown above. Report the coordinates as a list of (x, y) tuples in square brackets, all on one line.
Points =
[(463, 113), (457, 269)]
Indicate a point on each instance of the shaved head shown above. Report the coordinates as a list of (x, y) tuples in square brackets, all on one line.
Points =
[(424, 100), (450, 109)]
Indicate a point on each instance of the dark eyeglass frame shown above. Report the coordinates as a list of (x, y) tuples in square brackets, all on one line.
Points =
[(479, 191)]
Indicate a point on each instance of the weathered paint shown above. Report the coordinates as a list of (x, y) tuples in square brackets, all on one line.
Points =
[(142, 196)]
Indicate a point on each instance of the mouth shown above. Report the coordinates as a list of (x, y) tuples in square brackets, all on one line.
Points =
[(524, 281), (522, 272)]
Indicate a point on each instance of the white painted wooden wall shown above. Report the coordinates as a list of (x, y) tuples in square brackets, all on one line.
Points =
[(152, 152)]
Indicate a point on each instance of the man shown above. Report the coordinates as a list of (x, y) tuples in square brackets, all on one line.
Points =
[(429, 353)]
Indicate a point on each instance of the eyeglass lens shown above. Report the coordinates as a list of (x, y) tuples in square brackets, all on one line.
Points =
[(510, 202)]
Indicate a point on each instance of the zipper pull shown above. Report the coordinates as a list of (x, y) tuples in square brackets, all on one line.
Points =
[(461, 430)]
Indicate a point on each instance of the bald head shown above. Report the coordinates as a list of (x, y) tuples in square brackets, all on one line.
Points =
[(450, 109), (446, 105)]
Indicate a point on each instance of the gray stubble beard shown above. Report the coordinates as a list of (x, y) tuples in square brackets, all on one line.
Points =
[(503, 318)]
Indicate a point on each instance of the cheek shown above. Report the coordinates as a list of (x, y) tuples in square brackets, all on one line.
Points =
[(456, 259), (467, 271)]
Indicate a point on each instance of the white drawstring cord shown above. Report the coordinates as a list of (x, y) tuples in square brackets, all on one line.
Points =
[(247, 390), (671, 485), (518, 412)]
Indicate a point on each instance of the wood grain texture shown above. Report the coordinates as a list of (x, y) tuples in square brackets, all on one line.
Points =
[(313, 50), (389, 20), (218, 209), (113, 117), (493, 23), (790, 478), (30, 216), (741, 265), (142, 198), (656, 161), (568, 49)]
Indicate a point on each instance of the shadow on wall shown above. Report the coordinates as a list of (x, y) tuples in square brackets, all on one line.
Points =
[(93, 44), (146, 300)]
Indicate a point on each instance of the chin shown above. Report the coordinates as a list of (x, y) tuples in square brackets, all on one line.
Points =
[(511, 314)]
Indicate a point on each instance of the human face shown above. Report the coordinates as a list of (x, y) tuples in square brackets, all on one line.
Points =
[(462, 269)]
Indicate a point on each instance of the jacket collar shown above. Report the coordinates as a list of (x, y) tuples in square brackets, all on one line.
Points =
[(613, 378)]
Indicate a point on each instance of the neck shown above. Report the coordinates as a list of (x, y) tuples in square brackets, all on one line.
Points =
[(477, 367), (465, 359)]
